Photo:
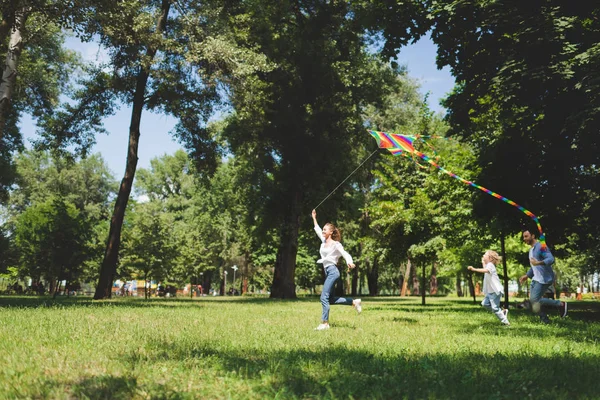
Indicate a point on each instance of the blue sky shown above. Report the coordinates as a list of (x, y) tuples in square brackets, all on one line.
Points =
[(155, 140)]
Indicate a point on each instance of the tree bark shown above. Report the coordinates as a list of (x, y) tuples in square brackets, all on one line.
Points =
[(354, 284), (433, 284), (373, 278), (9, 72), (223, 288), (360, 278), (415, 282), (424, 286), (146, 286), (245, 272), (472, 287), (459, 291), (206, 281), (109, 264), (6, 24), (284, 285), (504, 268), (56, 289), (406, 278)]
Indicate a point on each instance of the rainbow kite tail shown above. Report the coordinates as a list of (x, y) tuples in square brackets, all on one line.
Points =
[(542, 237), (403, 145)]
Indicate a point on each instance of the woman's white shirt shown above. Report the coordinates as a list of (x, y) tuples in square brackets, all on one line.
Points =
[(331, 253)]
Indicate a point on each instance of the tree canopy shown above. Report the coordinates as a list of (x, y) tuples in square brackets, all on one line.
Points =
[(272, 102)]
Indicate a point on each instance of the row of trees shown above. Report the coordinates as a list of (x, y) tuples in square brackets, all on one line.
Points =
[(300, 81), (190, 229)]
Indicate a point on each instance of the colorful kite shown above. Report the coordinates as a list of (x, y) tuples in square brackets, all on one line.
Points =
[(403, 145)]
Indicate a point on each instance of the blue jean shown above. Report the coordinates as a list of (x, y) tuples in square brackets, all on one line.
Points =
[(327, 297), (492, 303), (538, 301)]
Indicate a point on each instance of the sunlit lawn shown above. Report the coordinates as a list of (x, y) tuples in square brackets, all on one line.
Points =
[(255, 348)]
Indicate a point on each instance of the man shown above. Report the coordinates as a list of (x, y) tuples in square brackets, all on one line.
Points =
[(542, 277)]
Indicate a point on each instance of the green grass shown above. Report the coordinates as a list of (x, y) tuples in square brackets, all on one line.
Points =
[(256, 348)]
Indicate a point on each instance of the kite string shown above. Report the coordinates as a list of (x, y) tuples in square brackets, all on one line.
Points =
[(351, 173)]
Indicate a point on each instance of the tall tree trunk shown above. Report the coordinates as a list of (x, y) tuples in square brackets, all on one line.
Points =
[(400, 284), (406, 278), (245, 273), (504, 268), (415, 282), (354, 284), (373, 278), (109, 264), (472, 287), (8, 20), (223, 288), (361, 277), (284, 284), (459, 291), (9, 72), (433, 284), (424, 285), (56, 289), (207, 281)]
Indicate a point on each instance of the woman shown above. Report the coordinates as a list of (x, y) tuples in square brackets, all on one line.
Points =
[(331, 250)]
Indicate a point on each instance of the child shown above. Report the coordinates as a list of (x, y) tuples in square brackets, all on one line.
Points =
[(492, 288)]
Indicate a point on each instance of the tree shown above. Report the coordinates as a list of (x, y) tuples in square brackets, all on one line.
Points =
[(303, 118), (530, 109), (84, 184), (7, 251), (174, 185), (163, 62), (149, 251), (35, 73), (212, 223), (51, 239), (87, 183)]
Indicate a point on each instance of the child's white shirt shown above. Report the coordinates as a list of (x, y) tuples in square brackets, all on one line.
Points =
[(491, 280)]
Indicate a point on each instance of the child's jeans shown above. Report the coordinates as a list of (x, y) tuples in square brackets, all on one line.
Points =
[(492, 303)]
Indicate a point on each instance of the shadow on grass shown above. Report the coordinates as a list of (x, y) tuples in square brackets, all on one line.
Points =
[(584, 311), (578, 327), (79, 301), (339, 372), (411, 308), (104, 387), (405, 320), (82, 301)]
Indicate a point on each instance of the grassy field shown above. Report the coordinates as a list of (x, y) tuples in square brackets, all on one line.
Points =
[(256, 348)]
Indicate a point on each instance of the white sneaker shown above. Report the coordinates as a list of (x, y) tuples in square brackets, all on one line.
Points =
[(322, 327), (505, 322), (563, 309), (357, 305)]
